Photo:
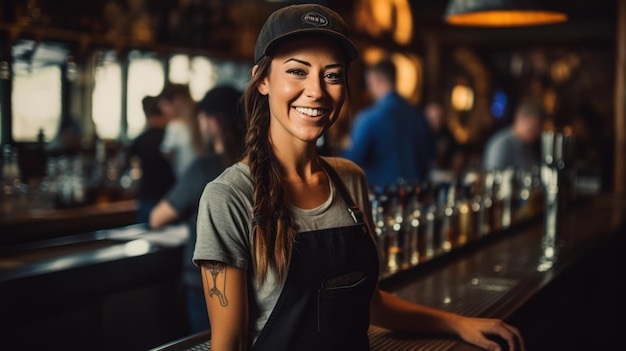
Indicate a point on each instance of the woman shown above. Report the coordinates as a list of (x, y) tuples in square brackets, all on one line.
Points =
[(284, 265)]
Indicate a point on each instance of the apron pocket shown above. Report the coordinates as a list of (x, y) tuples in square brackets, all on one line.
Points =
[(343, 305)]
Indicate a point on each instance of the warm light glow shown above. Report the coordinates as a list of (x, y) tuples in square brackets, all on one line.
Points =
[(506, 18), (372, 54), (549, 101), (462, 98), (381, 10), (404, 23), (409, 80), (561, 70), (385, 16)]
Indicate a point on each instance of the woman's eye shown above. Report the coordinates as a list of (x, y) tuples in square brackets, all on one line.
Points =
[(334, 77), (297, 72)]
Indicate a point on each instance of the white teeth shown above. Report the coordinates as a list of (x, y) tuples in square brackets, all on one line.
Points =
[(314, 112)]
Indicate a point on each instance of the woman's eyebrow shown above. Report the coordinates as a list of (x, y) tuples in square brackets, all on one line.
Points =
[(333, 65), (299, 61)]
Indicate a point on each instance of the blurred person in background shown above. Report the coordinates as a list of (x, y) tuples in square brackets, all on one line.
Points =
[(222, 123), (157, 176), (517, 145), (182, 142), (448, 153), (391, 139)]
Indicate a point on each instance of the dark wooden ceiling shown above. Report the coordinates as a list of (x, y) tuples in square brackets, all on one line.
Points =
[(589, 19), (221, 23)]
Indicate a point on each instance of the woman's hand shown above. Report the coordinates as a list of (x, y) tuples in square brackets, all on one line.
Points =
[(477, 331), (391, 312)]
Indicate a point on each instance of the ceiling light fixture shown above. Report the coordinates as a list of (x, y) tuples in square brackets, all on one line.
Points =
[(500, 13)]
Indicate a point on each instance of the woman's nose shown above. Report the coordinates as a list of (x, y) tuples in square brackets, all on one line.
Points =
[(314, 88)]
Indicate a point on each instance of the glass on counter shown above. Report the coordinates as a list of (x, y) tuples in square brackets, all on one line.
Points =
[(67, 181), (415, 223)]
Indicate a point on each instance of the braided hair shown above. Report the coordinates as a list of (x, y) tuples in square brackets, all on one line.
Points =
[(273, 231)]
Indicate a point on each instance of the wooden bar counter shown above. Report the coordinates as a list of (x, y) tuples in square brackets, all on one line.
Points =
[(576, 304), (110, 289), (30, 226)]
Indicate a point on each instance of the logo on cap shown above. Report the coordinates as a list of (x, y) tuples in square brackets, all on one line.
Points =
[(315, 19)]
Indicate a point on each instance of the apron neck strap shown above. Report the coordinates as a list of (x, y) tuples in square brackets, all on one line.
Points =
[(354, 211)]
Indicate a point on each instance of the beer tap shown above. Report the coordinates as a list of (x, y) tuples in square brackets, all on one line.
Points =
[(551, 169)]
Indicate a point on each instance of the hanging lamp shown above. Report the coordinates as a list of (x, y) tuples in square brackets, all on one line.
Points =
[(500, 13)]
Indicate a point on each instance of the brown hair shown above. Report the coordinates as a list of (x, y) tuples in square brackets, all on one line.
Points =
[(273, 232)]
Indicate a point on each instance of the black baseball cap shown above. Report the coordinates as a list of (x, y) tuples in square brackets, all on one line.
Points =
[(300, 19)]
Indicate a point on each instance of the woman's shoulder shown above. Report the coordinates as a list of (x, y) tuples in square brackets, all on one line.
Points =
[(236, 177), (347, 169)]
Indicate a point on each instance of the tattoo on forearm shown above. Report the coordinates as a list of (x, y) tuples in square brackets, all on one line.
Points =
[(216, 268)]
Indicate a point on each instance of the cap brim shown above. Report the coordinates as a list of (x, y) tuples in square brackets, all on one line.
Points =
[(352, 53)]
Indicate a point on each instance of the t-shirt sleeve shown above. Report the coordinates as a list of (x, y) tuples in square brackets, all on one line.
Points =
[(223, 226)]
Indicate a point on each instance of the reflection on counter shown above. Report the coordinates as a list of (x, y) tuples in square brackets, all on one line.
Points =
[(111, 289)]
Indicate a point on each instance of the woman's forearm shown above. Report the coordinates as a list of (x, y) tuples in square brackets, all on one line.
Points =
[(391, 312)]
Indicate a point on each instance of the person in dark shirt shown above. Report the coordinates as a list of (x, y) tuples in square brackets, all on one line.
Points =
[(156, 173), (221, 122), (391, 139)]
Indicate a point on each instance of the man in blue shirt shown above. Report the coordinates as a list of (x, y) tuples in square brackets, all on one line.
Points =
[(391, 139)]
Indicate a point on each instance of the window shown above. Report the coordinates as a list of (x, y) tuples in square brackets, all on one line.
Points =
[(145, 77), (36, 93), (203, 77), (202, 73), (179, 69), (107, 100), (36, 103), (198, 72)]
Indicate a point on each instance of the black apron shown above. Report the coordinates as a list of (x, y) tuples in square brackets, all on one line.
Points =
[(324, 304)]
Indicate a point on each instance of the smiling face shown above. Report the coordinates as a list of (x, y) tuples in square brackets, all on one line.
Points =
[(306, 88)]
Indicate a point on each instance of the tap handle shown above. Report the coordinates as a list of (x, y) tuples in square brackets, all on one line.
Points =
[(547, 147)]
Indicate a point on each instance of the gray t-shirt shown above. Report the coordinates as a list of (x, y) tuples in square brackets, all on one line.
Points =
[(504, 150), (225, 223)]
